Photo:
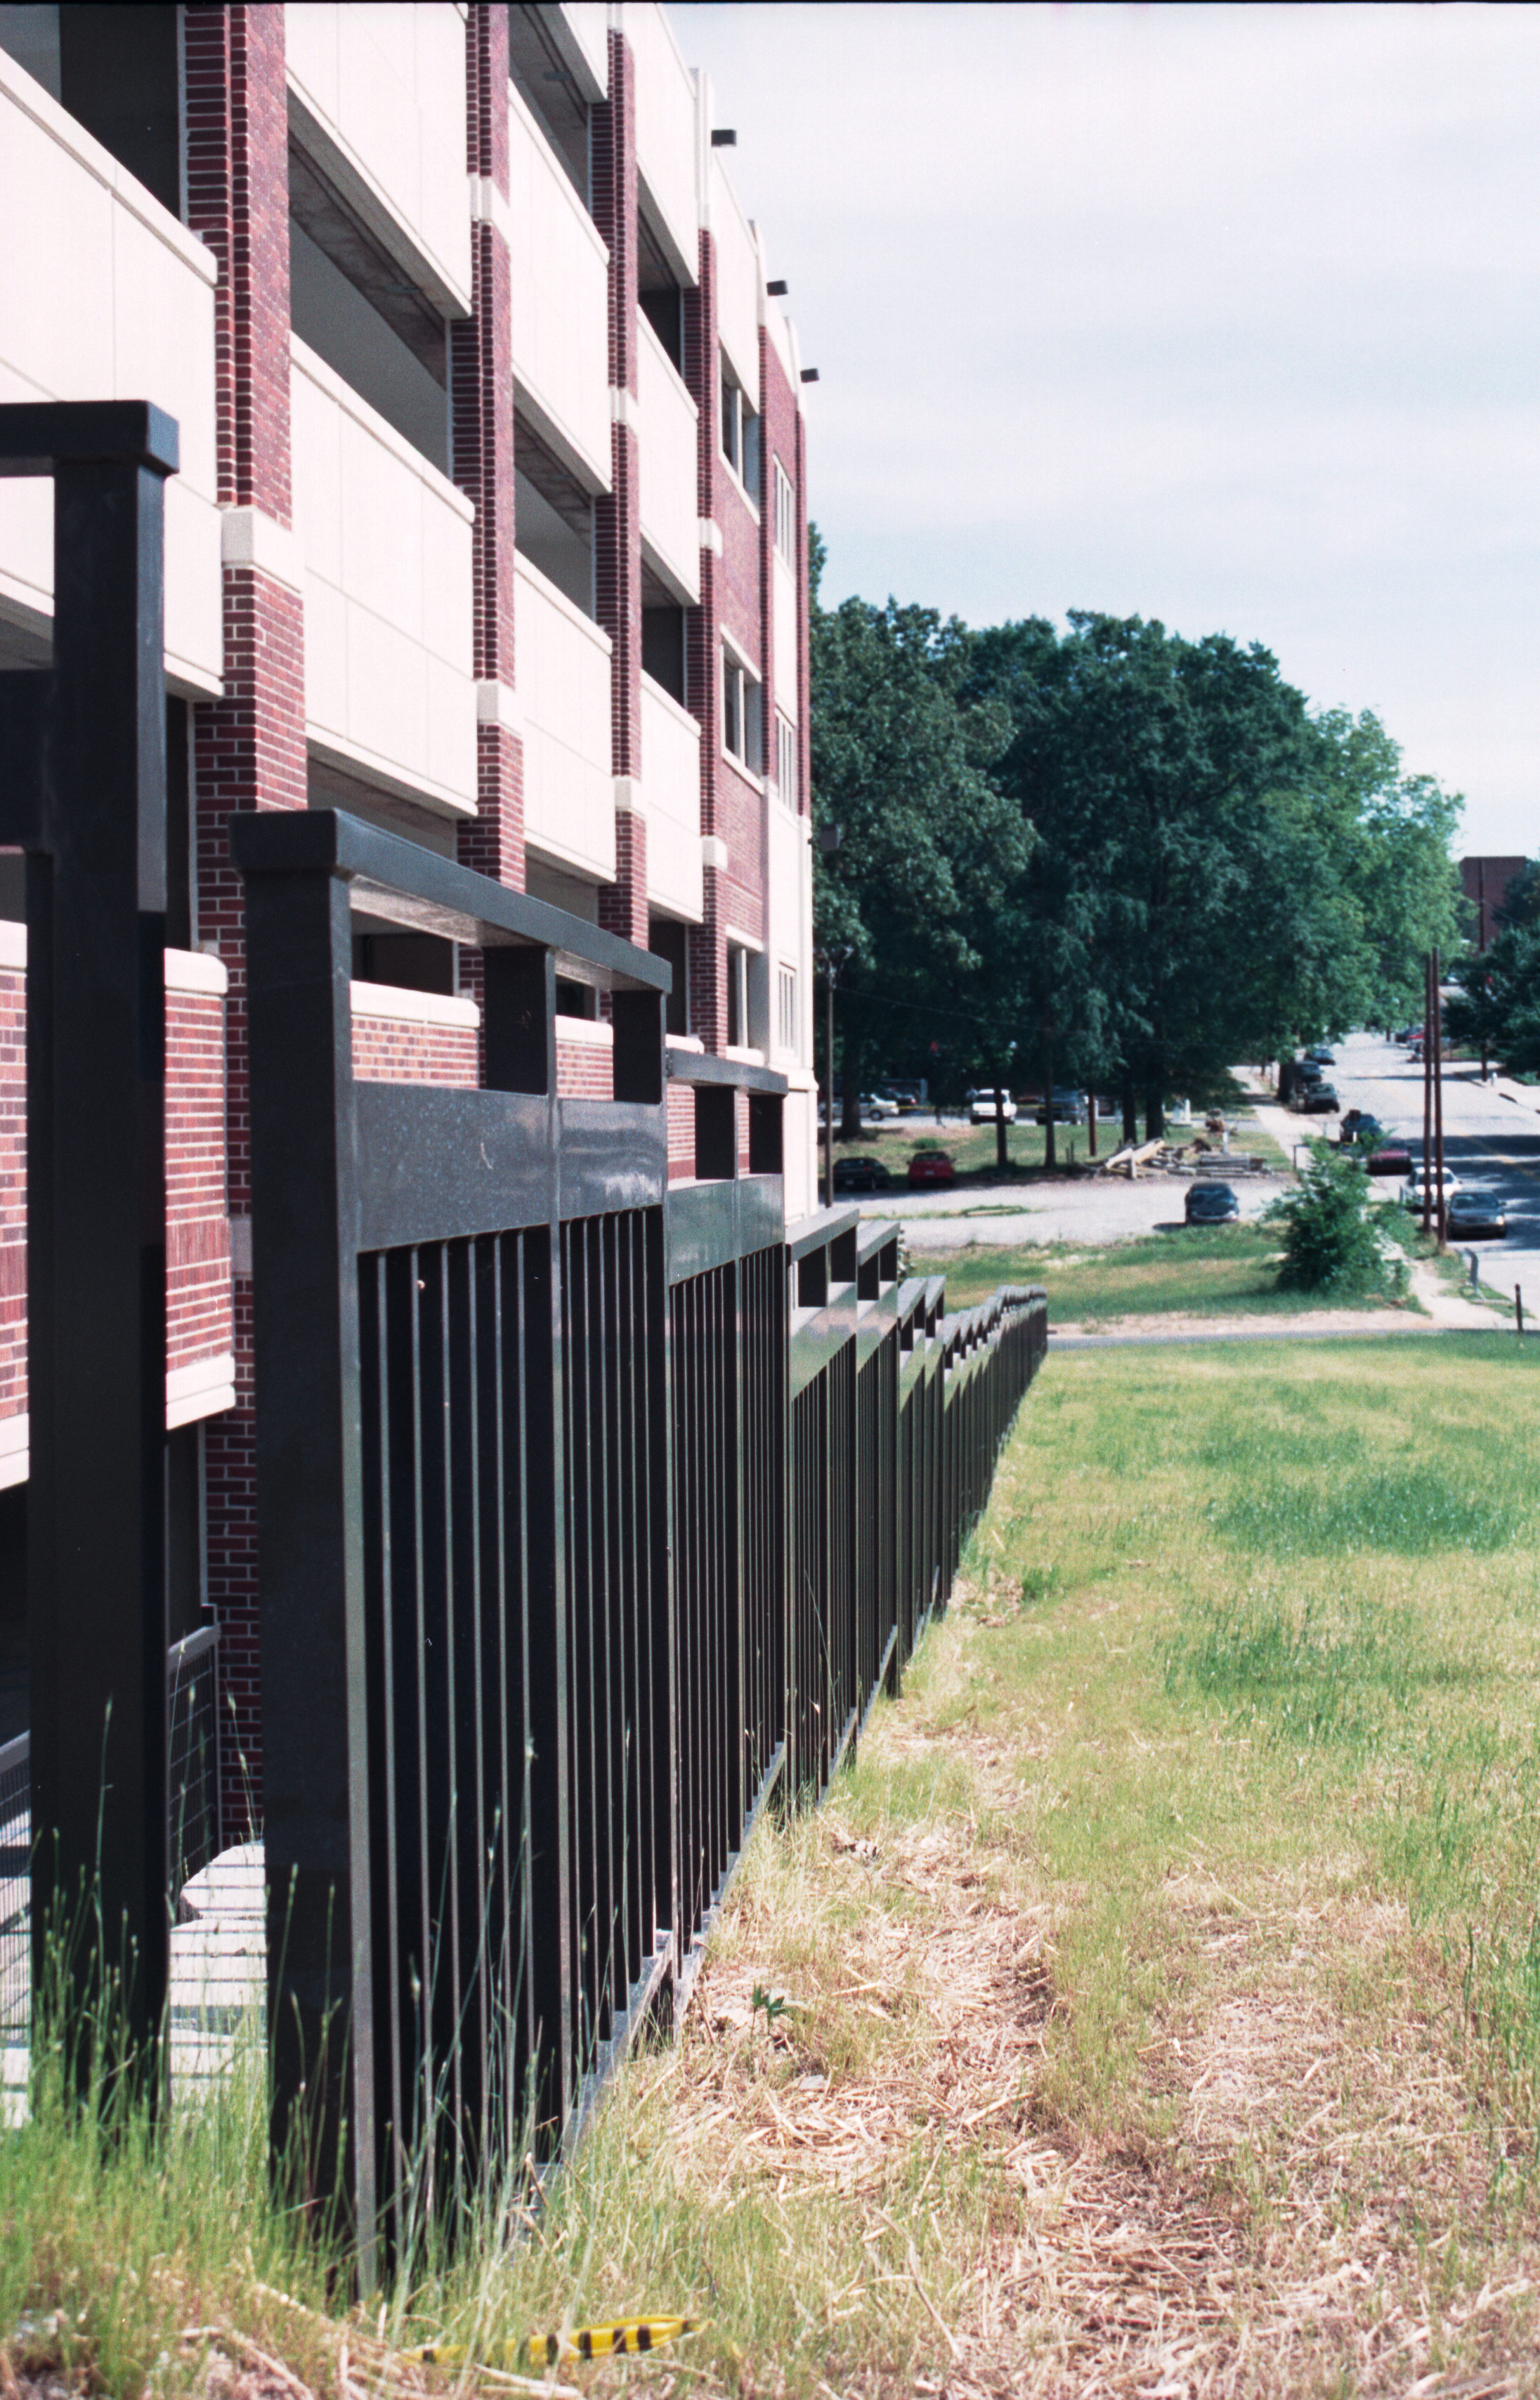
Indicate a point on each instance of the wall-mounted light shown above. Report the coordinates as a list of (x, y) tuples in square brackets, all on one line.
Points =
[(826, 838), (809, 375), (723, 138), (779, 289)]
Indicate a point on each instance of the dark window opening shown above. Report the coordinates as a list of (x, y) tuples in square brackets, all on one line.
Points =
[(411, 961), (553, 518), (658, 290), (667, 938), (354, 306), (116, 72), (181, 860), (662, 639), (737, 997), (575, 999), (549, 90)]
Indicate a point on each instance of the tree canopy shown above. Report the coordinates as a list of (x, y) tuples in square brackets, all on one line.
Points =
[(1108, 852)]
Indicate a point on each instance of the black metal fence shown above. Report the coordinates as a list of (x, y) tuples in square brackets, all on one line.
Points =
[(593, 1515)]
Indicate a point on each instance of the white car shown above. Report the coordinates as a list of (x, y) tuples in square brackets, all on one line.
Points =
[(985, 1108), (1410, 1194), (874, 1107)]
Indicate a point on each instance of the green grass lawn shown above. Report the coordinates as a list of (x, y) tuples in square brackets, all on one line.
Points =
[(1214, 1271)]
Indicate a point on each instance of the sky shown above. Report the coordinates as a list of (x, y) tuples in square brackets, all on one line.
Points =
[(1225, 314)]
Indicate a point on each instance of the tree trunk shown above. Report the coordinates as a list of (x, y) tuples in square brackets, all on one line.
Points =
[(850, 1107), (1090, 1124), (1002, 1156), (1050, 1146), (1130, 1111), (1154, 1113)]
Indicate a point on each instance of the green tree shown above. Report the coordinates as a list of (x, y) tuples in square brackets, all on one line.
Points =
[(1498, 1007), (915, 901), (1330, 1243)]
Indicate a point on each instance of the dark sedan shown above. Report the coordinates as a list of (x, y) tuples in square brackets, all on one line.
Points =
[(861, 1175), (1212, 1204), (1319, 1099), (1359, 1125), (1472, 1216)]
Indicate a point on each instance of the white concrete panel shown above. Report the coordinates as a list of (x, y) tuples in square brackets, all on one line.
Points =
[(381, 96), (800, 1154), (563, 685), (665, 129), (386, 542), (671, 803), (104, 295), (667, 454), (587, 22), (561, 301), (783, 634), (737, 281)]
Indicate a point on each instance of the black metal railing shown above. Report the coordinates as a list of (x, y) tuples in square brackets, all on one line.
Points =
[(193, 1826), (593, 1514)]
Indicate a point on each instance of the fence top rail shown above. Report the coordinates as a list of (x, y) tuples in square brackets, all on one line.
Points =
[(874, 1234), (397, 880), (193, 1645), (700, 1067), (812, 1233)]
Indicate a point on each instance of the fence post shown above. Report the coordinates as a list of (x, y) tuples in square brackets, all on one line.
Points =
[(85, 796)]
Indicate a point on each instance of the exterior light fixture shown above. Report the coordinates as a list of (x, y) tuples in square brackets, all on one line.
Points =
[(723, 138), (809, 375), (779, 289)]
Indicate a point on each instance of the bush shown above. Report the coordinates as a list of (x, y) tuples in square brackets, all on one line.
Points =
[(1329, 1240)]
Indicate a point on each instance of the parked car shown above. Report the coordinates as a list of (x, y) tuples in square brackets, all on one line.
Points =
[(861, 1175), (876, 1105), (1212, 1203), (1068, 1106), (1404, 1036), (1474, 1215), (1321, 1057), (1307, 1072), (983, 1109), (1391, 1158), (1410, 1194), (932, 1166), (1359, 1125), (1320, 1100)]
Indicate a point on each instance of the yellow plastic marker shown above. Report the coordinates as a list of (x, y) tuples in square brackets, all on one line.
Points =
[(609, 2341), (636, 2335)]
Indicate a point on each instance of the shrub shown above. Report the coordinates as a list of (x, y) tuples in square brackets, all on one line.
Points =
[(1330, 1243)]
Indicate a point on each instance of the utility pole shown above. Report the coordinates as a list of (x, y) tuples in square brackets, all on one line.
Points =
[(1438, 1030), (1427, 1095), (831, 962)]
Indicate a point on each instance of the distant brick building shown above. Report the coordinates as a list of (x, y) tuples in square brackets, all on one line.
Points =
[(491, 527), (1486, 881)]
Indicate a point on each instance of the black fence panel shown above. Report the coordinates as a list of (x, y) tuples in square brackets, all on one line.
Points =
[(619, 1699)]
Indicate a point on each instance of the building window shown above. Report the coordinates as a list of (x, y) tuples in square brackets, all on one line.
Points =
[(786, 761), (786, 1008), (786, 515), (738, 996), (740, 432), (350, 302), (667, 938), (739, 713)]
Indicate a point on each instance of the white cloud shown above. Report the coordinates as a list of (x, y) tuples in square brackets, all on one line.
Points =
[(1224, 314)]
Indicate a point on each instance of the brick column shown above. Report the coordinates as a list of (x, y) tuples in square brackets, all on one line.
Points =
[(618, 523), (249, 747), (482, 378), (708, 958)]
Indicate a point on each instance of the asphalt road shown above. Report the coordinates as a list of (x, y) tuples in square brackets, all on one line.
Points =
[(1491, 1137)]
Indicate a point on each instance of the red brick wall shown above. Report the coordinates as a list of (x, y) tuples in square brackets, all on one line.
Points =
[(617, 515), (585, 1071), (681, 1132), (249, 747), (198, 1316), (482, 348), (387, 1051)]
